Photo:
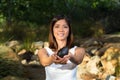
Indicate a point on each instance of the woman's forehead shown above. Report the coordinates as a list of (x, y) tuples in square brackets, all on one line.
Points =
[(61, 21)]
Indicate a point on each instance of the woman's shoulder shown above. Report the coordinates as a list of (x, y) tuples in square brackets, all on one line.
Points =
[(42, 50), (80, 50), (48, 50), (73, 47), (77, 48)]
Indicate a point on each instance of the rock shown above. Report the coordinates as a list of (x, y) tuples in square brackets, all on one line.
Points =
[(46, 44), (110, 58), (36, 51), (8, 53), (37, 45), (94, 65), (92, 42), (22, 51), (14, 44), (90, 68)]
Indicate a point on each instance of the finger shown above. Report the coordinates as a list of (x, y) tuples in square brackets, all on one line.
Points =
[(57, 61), (59, 57), (64, 60)]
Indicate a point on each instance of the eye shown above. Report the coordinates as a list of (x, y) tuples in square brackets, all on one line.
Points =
[(65, 26), (56, 26)]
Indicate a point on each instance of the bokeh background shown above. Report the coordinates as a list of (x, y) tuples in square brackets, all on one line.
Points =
[(27, 21)]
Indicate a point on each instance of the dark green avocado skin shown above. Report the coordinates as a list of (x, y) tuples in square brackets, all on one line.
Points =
[(62, 52)]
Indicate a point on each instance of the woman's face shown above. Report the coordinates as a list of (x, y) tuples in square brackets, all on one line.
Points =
[(61, 30)]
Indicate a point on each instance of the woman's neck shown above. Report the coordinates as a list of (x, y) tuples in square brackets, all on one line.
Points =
[(61, 44)]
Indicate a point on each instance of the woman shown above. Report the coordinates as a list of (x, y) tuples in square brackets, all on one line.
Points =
[(60, 36)]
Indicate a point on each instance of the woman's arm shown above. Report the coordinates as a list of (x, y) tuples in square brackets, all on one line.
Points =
[(78, 56), (45, 60)]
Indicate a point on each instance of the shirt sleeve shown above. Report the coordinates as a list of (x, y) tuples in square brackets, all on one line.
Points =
[(72, 50)]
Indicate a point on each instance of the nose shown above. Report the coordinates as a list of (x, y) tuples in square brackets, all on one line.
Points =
[(61, 29)]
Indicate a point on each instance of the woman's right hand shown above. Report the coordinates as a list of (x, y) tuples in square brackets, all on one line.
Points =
[(58, 60)]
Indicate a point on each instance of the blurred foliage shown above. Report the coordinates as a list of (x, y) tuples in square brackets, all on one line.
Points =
[(31, 17), (117, 70), (9, 67)]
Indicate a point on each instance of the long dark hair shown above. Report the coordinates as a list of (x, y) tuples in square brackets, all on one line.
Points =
[(52, 41)]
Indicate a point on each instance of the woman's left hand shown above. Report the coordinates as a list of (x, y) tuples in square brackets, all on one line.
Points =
[(64, 59)]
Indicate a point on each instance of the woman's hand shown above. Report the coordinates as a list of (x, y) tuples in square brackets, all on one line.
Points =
[(58, 60)]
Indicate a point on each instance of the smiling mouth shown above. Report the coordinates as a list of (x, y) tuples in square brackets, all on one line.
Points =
[(61, 35)]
